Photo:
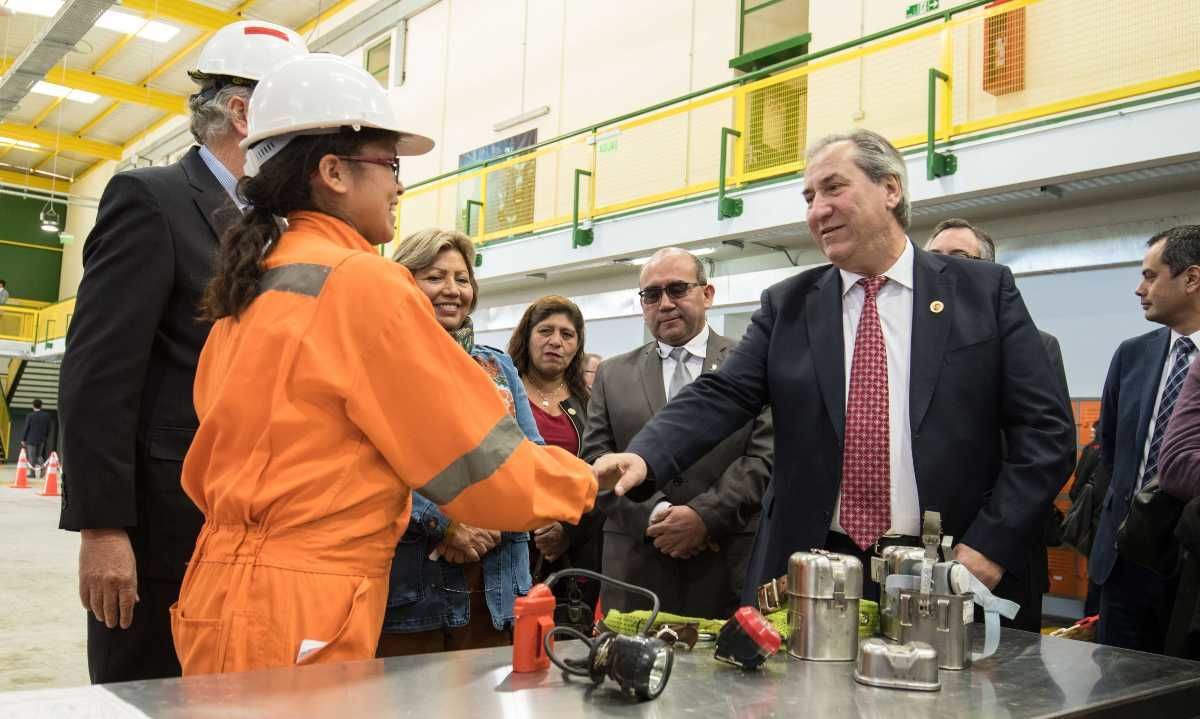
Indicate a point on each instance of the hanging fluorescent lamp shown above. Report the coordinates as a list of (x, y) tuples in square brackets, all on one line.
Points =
[(49, 219)]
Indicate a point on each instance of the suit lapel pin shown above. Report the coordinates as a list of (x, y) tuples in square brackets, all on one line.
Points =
[(714, 367), (571, 411), (936, 307)]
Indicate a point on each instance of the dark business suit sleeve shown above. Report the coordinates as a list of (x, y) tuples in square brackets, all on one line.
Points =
[(712, 407), (1056, 361), (736, 497), (1038, 430), (1108, 412), (127, 279), (1179, 457), (631, 512)]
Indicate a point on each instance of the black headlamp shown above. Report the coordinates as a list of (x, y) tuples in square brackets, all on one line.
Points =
[(640, 665)]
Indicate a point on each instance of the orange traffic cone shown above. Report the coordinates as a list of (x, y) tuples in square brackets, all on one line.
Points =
[(51, 488), (22, 480)]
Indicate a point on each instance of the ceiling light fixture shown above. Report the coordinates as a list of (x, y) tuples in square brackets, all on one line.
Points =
[(49, 218), (42, 87), (115, 20)]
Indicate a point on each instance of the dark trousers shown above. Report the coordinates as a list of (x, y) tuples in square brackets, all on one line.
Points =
[(143, 651), (1135, 608), (1021, 590), (35, 452)]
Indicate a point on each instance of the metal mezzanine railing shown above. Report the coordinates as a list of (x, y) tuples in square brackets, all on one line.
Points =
[(44, 329), (977, 67)]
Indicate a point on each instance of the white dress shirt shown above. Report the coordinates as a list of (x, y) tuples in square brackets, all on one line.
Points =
[(698, 347), (1162, 383), (223, 175), (895, 305)]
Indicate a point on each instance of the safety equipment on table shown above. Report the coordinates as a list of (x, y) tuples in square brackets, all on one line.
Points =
[(314, 95)]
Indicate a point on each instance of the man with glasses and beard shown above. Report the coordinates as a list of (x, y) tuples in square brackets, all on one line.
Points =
[(690, 541)]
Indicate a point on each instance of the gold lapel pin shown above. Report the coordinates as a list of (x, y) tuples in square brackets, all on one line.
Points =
[(936, 307), (571, 411)]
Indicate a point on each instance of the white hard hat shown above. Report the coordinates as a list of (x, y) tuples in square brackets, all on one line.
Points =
[(246, 50), (314, 95)]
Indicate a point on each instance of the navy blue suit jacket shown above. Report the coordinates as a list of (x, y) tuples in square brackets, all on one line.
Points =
[(1125, 411), (979, 376)]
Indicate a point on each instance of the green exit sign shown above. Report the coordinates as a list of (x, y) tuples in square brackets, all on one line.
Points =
[(921, 8)]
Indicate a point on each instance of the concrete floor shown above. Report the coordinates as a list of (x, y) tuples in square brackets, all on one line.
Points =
[(41, 621)]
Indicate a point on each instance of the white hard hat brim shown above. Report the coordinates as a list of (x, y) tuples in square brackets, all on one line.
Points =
[(408, 145)]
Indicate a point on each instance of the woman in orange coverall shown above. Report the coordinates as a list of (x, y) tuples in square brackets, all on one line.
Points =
[(327, 392)]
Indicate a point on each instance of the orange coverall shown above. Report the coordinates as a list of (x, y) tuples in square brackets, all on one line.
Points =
[(333, 396)]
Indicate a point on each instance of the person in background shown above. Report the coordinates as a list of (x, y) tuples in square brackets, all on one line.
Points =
[(547, 348), (591, 363), (1090, 470), (688, 541), (329, 394), (1140, 392), (1179, 457), (959, 238), (125, 392), (899, 380), (453, 585), (3, 292), (33, 439)]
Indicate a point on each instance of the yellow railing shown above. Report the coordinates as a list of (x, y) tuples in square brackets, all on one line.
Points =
[(46, 327), (1006, 64)]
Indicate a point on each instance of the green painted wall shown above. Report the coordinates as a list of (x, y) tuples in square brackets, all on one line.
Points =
[(31, 274)]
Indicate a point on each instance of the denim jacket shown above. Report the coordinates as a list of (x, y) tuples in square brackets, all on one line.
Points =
[(430, 594)]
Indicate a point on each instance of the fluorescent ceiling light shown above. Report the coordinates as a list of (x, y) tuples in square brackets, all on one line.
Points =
[(18, 143), (127, 24), (55, 175), (41, 8), (115, 20), (639, 261), (42, 87)]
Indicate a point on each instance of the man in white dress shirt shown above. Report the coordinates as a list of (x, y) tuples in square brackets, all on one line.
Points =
[(689, 542)]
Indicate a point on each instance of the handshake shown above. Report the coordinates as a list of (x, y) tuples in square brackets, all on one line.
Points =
[(619, 472)]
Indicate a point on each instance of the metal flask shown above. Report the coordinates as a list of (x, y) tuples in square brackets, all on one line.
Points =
[(940, 620), (897, 666), (894, 560), (824, 589)]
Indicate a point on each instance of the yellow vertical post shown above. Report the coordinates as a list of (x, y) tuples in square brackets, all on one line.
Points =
[(946, 109), (592, 180), (483, 205), (739, 124)]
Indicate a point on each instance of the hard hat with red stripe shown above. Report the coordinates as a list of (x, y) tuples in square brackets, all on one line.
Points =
[(245, 51)]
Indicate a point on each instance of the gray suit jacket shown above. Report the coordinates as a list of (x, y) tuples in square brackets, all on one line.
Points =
[(724, 487)]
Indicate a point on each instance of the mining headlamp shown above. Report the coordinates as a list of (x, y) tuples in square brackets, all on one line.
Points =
[(640, 665)]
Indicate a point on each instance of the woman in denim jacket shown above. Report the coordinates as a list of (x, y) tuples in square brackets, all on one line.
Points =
[(453, 586)]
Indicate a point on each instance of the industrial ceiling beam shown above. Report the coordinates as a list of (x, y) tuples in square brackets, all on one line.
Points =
[(65, 143), (114, 89), (54, 40), (184, 12), (33, 182)]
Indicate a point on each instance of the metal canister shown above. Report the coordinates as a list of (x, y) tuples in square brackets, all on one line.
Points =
[(940, 620), (824, 589), (893, 560)]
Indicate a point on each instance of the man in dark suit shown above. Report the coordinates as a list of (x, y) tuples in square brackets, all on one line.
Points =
[(690, 540), (33, 439), (1143, 383), (126, 383), (895, 377), (958, 237)]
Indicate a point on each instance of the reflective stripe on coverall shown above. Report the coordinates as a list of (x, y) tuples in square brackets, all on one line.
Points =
[(333, 396)]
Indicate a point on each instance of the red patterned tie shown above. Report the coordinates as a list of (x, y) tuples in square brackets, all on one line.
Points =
[(866, 467)]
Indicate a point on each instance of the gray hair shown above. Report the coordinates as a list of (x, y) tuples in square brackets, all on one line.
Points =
[(878, 160), (210, 112), (987, 246)]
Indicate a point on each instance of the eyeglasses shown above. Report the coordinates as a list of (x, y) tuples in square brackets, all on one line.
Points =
[(958, 253), (674, 290), (392, 162)]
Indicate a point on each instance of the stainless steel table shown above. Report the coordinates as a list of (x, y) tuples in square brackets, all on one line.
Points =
[(1030, 676)]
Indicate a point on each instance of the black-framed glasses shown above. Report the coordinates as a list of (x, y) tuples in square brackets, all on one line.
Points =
[(674, 290), (958, 253), (392, 162)]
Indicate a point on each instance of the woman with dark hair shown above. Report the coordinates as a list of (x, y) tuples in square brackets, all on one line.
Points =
[(453, 586), (328, 393), (547, 348)]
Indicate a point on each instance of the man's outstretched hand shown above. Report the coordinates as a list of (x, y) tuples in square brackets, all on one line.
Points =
[(620, 472)]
